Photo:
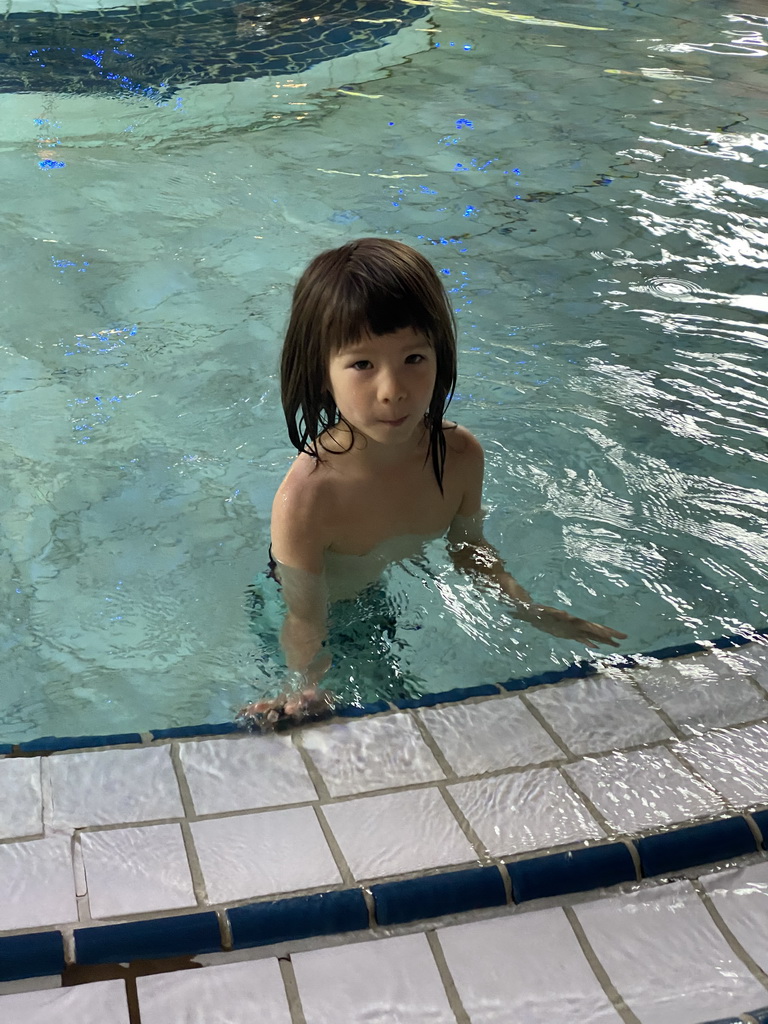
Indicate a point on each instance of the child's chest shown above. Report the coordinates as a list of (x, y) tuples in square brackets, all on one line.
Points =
[(374, 509)]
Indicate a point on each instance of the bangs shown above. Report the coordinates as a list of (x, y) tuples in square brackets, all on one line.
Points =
[(369, 311)]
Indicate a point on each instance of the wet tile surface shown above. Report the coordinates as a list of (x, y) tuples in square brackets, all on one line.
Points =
[(37, 885), (136, 870), (642, 789), (238, 993), (95, 1003), (377, 753), (398, 832), (112, 787), (238, 775), (524, 967), (388, 980), (733, 762), (741, 898), (258, 854), (603, 712), (490, 735), (22, 813), (524, 811), (648, 940)]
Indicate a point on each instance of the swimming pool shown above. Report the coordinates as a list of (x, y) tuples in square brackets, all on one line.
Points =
[(589, 178)]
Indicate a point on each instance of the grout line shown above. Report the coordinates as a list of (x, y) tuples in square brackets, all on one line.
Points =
[(341, 861), (316, 778), (483, 854), (68, 941), (132, 999), (184, 791), (78, 866), (549, 729), (743, 955), (193, 861), (454, 1000), (755, 830), (635, 855), (46, 798), (291, 990), (609, 832), (433, 746), (613, 994), (225, 928)]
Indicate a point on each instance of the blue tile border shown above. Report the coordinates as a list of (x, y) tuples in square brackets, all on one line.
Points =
[(436, 895), (298, 917), (31, 956), (695, 846), (557, 874), (186, 935), (49, 744)]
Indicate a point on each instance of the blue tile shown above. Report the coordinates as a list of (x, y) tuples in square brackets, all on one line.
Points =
[(698, 844), (577, 670), (180, 731), (429, 700), (48, 743), (141, 940), (435, 895), (573, 871), (726, 1020), (760, 818), (733, 640), (31, 956), (301, 917), (6, 748), (679, 651), (761, 1015), (361, 710)]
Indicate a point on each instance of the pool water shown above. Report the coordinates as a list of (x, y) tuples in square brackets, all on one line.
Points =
[(589, 178)]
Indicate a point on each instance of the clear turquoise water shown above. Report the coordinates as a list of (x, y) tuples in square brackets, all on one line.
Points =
[(594, 192)]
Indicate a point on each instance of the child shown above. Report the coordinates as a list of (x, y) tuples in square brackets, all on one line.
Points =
[(368, 368)]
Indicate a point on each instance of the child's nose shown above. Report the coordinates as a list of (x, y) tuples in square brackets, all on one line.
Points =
[(391, 386)]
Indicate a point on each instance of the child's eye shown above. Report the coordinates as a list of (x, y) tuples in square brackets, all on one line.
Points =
[(362, 364), (415, 357)]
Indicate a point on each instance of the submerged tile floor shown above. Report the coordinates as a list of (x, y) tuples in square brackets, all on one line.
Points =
[(183, 846)]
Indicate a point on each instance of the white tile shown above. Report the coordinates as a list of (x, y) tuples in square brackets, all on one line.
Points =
[(702, 692), (498, 733), (95, 1003), (245, 773), (110, 787), (524, 967), (733, 762), (642, 789), (386, 981), (665, 956), (752, 660), (37, 884), (603, 712), (356, 757), (22, 808), (741, 897), (524, 811), (258, 854), (241, 993), (398, 832), (134, 870)]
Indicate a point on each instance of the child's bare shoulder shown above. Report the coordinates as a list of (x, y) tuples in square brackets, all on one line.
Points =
[(462, 442), (305, 491)]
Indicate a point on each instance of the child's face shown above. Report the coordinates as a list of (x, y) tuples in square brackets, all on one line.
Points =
[(382, 385)]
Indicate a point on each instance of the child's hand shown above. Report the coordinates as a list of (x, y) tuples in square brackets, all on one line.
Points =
[(560, 623), (289, 708)]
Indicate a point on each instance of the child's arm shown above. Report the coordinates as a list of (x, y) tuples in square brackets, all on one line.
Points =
[(471, 553)]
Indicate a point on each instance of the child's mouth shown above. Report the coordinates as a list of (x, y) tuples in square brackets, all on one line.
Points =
[(394, 423)]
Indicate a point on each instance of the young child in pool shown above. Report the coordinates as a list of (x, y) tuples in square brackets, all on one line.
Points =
[(368, 368)]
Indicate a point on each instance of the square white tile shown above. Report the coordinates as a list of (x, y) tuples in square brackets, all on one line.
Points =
[(732, 761), (95, 1003), (602, 712), (259, 854), (245, 773), (112, 787), (642, 789), (741, 897), (21, 813), (393, 833), (527, 810), (665, 956), (701, 692), (524, 967), (375, 753), (752, 660), (37, 884), (386, 980), (135, 870), (497, 733), (240, 993)]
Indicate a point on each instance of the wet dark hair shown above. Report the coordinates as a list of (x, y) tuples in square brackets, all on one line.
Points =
[(369, 286)]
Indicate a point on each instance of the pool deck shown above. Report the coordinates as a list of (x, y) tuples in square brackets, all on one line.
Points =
[(180, 844)]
